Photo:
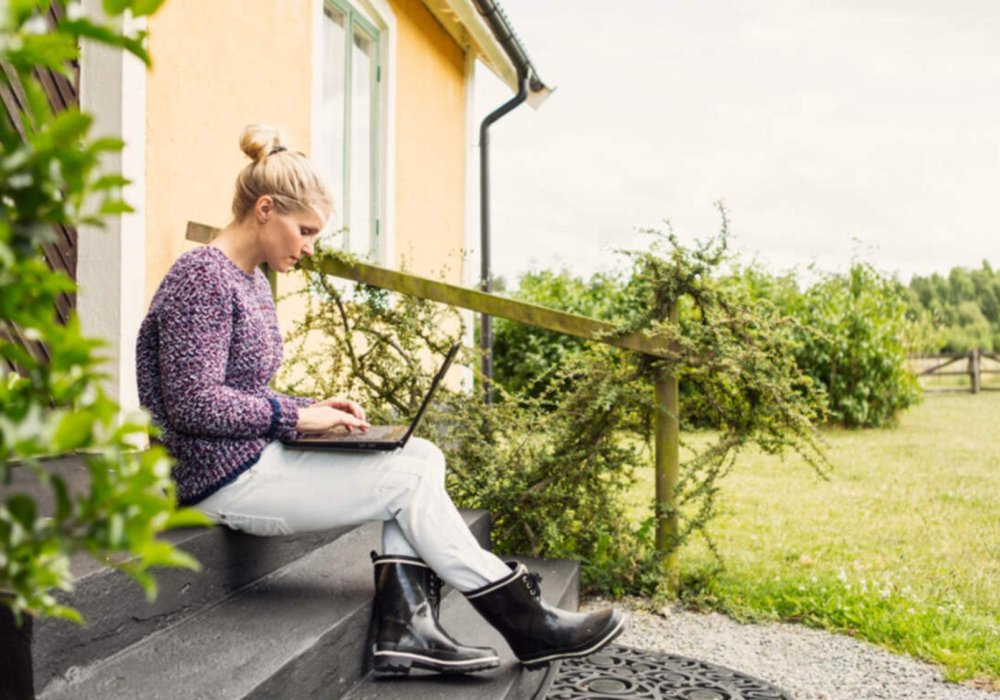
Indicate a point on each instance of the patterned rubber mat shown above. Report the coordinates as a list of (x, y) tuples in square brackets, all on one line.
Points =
[(620, 672)]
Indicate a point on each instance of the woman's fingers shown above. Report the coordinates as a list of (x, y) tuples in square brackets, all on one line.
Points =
[(347, 405), (350, 421)]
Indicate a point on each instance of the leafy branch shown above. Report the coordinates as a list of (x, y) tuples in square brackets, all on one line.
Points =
[(51, 397)]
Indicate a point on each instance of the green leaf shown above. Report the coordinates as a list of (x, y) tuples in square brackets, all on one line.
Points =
[(106, 182), (116, 7), (68, 128), (187, 517), (116, 531), (64, 505), (160, 553), (113, 207), (65, 613), (74, 431), (141, 8), (22, 507), (52, 50), (107, 143)]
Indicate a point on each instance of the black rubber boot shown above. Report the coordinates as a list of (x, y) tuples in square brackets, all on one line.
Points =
[(537, 632), (405, 629)]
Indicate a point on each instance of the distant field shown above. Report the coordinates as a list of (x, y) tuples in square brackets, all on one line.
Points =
[(900, 547)]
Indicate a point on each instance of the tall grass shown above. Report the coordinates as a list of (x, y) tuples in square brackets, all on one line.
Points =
[(901, 546)]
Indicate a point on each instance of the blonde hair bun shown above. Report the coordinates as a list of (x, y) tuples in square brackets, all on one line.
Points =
[(259, 140), (292, 181)]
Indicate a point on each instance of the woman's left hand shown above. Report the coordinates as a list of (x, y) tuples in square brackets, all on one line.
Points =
[(345, 405)]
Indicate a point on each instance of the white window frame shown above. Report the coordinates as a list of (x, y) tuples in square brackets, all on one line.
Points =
[(380, 15)]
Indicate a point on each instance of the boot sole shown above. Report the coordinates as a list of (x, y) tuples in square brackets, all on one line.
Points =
[(399, 663), (574, 653)]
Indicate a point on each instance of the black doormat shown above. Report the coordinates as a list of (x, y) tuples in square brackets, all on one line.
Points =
[(620, 672)]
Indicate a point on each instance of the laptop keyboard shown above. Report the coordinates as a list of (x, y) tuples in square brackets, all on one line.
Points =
[(376, 432)]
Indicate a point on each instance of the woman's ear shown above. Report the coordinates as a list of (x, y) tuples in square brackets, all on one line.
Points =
[(263, 208)]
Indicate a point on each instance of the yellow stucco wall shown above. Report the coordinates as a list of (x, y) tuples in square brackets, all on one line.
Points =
[(430, 144), (217, 66), (221, 65)]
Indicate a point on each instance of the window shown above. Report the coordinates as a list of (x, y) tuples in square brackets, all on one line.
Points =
[(348, 127)]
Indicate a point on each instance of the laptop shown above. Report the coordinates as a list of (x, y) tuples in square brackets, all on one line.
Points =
[(377, 437)]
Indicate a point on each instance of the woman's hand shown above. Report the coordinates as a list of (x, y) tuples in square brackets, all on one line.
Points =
[(345, 405), (321, 416)]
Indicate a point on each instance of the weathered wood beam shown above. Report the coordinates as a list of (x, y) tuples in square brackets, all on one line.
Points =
[(482, 302), (201, 233), (472, 299)]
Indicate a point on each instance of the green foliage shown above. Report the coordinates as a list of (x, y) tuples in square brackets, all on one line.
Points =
[(552, 466), (366, 343), (964, 308), (735, 354), (851, 334), (53, 404), (856, 343), (553, 480), (524, 357)]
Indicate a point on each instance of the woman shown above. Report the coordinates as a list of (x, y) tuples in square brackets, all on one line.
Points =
[(207, 352)]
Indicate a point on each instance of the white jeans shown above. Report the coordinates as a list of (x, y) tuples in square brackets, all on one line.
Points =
[(290, 490)]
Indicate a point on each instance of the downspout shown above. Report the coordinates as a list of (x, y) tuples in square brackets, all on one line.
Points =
[(486, 276), (529, 84)]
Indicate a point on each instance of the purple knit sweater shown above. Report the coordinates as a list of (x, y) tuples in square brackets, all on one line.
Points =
[(207, 350)]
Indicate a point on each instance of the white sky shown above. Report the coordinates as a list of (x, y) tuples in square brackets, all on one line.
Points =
[(831, 129)]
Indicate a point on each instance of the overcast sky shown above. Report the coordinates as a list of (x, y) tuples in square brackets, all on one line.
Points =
[(831, 129)]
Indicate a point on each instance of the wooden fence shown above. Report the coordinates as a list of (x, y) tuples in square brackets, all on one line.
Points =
[(973, 364)]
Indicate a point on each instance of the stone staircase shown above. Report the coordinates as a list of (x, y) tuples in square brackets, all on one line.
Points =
[(282, 617)]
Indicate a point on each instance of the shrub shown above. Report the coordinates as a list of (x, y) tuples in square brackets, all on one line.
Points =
[(552, 467), (524, 357), (853, 332), (855, 344)]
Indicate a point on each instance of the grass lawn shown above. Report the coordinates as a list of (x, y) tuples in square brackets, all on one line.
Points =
[(901, 546)]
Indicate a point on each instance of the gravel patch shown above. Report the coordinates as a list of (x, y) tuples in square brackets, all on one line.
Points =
[(808, 663)]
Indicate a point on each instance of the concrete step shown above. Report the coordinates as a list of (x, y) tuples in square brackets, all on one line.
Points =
[(296, 633), (115, 607), (560, 586)]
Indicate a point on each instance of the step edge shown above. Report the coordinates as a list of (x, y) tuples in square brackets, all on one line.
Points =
[(477, 519)]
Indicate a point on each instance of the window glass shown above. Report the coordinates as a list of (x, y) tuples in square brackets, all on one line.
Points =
[(348, 128), (330, 151), (362, 89)]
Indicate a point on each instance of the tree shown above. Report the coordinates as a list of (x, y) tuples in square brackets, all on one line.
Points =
[(964, 307)]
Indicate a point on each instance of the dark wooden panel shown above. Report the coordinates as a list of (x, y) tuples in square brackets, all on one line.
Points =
[(61, 252)]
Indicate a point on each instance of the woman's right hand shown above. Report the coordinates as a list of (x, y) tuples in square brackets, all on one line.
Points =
[(318, 418)]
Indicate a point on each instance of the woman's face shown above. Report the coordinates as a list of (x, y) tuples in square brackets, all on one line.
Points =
[(286, 237)]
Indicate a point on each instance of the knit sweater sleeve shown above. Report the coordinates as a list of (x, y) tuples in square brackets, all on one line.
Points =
[(299, 401), (195, 333)]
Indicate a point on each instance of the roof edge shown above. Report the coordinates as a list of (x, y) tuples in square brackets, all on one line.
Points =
[(467, 23)]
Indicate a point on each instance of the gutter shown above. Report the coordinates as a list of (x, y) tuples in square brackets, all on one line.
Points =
[(533, 91)]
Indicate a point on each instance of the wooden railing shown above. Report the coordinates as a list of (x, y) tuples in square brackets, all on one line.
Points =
[(667, 426)]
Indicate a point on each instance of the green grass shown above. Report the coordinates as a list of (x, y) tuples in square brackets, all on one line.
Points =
[(901, 546)]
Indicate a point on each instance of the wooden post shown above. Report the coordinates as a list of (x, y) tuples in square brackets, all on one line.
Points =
[(668, 471), (975, 376)]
